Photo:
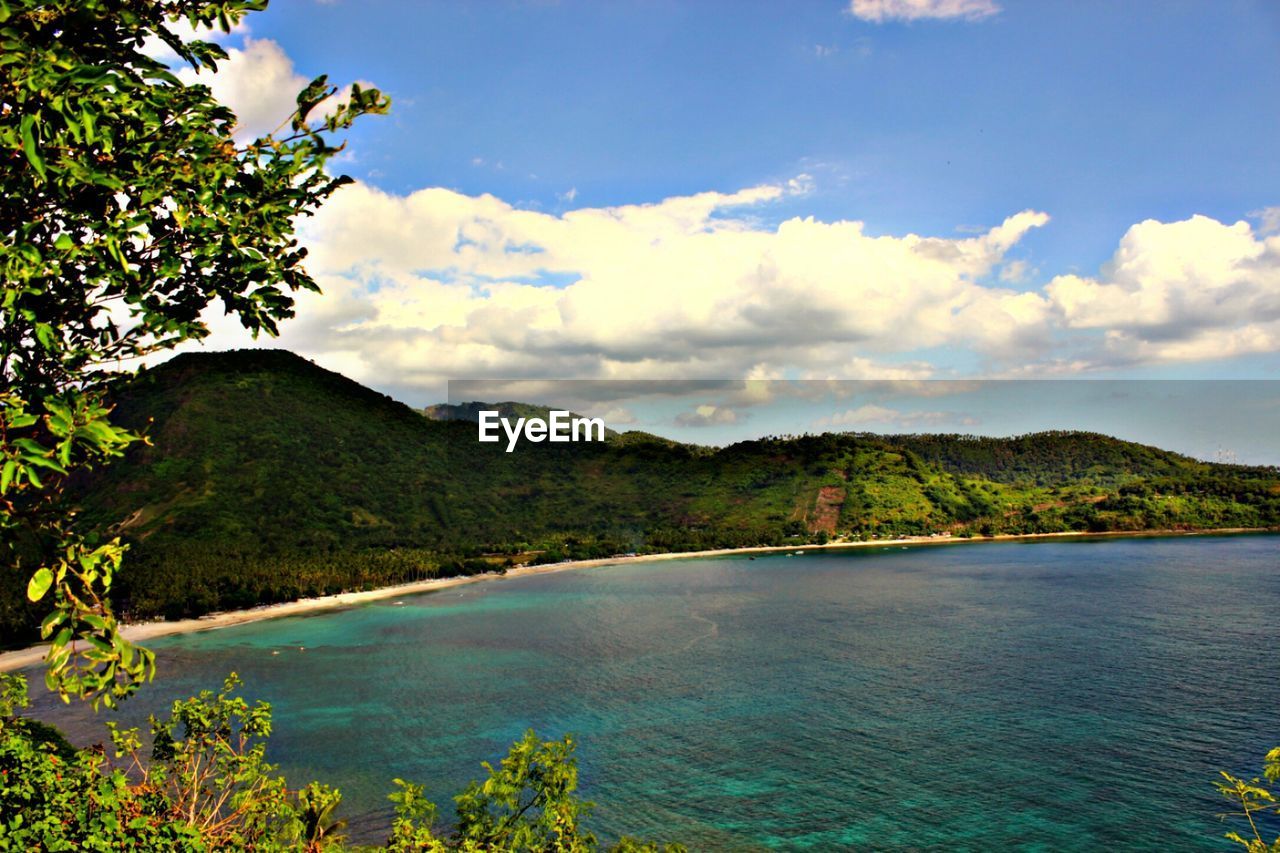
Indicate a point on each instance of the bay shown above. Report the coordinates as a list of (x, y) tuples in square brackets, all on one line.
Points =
[(1055, 695)]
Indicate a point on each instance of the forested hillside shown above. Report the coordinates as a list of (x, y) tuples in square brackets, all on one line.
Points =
[(269, 478)]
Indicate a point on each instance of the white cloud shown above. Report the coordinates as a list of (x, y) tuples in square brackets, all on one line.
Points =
[(678, 288), (1015, 272), (1178, 291), (880, 11), (801, 184), (619, 416), (258, 82), (708, 415), (433, 285)]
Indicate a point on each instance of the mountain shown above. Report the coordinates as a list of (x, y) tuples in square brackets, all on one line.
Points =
[(268, 478)]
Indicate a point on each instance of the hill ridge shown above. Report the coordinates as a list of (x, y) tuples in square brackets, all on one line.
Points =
[(271, 478)]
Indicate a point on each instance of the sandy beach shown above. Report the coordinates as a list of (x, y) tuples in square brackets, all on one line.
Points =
[(140, 632)]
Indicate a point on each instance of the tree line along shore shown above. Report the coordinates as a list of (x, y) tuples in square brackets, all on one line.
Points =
[(141, 632)]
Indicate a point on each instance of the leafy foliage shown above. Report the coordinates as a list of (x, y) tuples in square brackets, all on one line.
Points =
[(207, 786), (1255, 800), (128, 205), (208, 763), (527, 802)]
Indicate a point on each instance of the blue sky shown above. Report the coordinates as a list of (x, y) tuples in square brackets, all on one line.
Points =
[(852, 189), (1101, 113)]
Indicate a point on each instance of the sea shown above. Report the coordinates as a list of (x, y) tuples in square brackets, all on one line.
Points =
[(1031, 695)]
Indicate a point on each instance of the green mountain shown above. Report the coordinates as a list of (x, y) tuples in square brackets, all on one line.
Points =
[(268, 478)]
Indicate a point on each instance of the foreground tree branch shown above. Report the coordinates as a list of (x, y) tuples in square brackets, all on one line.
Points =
[(127, 208)]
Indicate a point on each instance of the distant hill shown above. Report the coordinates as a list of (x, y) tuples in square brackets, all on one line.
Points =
[(270, 478), (470, 412), (1049, 458)]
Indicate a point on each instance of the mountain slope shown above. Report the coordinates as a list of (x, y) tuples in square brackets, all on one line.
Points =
[(268, 478), (1049, 457)]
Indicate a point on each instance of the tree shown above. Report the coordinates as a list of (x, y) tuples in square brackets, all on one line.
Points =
[(128, 206), (208, 770), (527, 803), (1254, 800), (206, 786)]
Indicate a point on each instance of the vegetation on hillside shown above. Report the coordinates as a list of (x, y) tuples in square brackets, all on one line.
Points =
[(268, 478)]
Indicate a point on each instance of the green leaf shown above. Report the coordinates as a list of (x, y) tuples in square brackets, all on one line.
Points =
[(33, 448), (30, 146), (45, 462), (7, 474), (44, 334), (50, 622), (89, 119), (39, 584), (58, 409)]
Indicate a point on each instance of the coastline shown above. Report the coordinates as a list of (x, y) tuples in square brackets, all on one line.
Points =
[(140, 632)]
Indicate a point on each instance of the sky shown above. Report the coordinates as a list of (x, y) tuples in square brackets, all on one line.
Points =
[(1217, 420), (827, 189)]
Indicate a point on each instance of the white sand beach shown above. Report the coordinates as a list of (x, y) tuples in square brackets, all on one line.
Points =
[(140, 632)]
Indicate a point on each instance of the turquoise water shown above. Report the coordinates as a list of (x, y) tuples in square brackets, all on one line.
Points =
[(1055, 695)]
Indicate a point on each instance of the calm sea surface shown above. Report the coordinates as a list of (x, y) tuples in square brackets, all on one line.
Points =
[(1055, 695)]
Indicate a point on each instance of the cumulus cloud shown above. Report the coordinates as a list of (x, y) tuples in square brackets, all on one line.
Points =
[(1177, 291), (257, 81), (619, 416), (881, 11), (462, 285), (1015, 272), (708, 415), (435, 284)]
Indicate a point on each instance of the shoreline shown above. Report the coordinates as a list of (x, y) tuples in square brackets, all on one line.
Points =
[(140, 632)]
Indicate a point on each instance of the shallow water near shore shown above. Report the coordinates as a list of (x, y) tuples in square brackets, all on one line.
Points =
[(1039, 695)]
